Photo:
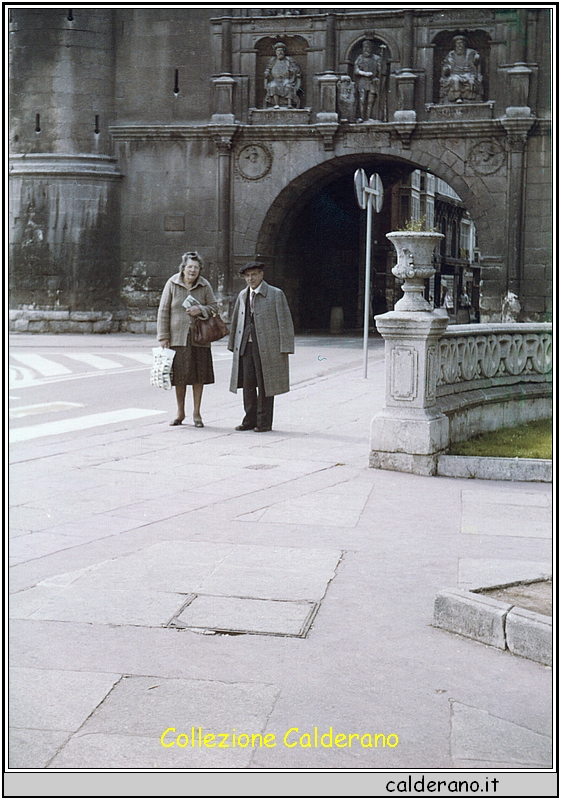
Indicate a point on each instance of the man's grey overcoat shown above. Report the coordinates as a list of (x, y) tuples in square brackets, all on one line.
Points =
[(275, 338)]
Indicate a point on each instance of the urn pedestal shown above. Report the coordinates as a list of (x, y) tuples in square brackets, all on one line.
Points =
[(410, 432)]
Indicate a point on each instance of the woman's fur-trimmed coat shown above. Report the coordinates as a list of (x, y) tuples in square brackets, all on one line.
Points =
[(275, 338)]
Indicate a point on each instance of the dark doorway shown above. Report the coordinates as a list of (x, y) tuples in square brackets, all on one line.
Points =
[(325, 251), (321, 253)]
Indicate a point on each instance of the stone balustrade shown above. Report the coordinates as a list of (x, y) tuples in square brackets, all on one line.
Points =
[(447, 384), (479, 356)]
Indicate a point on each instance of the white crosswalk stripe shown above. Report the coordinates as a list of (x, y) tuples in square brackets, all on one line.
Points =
[(44, 366), (144, 358), (32, 369), (98, 362), (40, 369), (79, 423)]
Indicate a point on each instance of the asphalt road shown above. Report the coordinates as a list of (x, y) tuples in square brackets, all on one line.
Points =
[(54, 379)]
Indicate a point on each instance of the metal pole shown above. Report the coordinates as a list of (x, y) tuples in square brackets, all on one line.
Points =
[(367, 280)]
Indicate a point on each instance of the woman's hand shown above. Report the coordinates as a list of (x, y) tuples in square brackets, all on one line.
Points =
[(194, 311), (165, 344)]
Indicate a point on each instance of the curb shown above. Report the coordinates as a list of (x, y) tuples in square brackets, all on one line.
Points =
[(495, 469), (523, 633)]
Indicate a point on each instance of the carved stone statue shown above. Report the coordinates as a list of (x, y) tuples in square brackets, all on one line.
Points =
[(510, 308), (461, 80), (367, 71), (346, 98), (283, 79)]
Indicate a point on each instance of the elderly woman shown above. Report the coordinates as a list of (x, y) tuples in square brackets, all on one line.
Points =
[(192, 364)]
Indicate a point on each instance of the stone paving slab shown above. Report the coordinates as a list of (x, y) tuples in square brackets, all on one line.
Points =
[(100, 751), (140, 709), (148, 586), (266, 583), (33, 749), (479, 737), (478, 573), (499, 515), (59, 700), (371, 659), (114, 607)]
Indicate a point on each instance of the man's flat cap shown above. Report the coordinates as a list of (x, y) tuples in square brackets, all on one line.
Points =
[(251, 265)]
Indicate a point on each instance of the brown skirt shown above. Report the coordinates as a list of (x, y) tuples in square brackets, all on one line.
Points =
[(192, 365)]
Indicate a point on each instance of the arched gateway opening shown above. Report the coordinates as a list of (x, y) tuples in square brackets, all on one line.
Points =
[(314, 239)]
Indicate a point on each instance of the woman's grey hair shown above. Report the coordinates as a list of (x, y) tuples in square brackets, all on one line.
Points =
[(194, 256)]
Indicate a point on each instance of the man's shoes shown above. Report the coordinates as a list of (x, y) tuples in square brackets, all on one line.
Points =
[(244, 428), (262, 430)]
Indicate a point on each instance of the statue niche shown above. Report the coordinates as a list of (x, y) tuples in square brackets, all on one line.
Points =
[(368, 67), (283, 80), (280, 72), (461, 78)]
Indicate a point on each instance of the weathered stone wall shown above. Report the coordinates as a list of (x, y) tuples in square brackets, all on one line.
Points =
[(64, 208), (167, 93), (151, 45), (168, 208)]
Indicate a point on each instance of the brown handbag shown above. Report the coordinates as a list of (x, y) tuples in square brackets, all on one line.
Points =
[(205, 331)]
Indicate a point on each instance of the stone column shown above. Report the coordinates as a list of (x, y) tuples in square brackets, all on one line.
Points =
[(223, 84), (226, 53), (517, 121), (223, 139), (329, 64), (517, 134), (405, 116)]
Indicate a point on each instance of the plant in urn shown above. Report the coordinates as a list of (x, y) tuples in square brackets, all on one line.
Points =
[(415, 249)]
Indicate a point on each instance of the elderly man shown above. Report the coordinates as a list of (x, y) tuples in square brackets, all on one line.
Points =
[(261, 337)]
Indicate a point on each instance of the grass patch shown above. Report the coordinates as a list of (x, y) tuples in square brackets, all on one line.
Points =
[(533, 440)]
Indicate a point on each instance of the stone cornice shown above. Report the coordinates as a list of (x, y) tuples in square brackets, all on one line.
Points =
[(62, 165), (315, 130)]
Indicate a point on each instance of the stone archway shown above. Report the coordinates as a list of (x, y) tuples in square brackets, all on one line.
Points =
[(313, 234)]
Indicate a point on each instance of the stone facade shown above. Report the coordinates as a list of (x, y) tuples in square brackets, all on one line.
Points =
[(137, 134)]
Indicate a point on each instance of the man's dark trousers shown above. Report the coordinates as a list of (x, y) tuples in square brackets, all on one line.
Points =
[(258, 408)]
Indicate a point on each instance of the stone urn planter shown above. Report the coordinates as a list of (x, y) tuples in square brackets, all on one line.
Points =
[(414, 265)]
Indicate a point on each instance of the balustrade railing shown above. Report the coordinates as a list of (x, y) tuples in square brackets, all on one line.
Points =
[(479, 356)]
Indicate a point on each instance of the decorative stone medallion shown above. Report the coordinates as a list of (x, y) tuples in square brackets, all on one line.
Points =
[(254, 162), (486, 157)]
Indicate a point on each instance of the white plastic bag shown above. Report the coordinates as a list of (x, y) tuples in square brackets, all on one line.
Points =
[(162, 372)]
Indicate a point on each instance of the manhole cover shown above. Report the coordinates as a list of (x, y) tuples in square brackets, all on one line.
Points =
[(246, 615)]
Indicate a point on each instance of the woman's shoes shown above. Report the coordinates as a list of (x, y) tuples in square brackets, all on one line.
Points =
[(197, 422)]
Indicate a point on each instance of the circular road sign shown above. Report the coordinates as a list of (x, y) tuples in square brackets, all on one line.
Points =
[(361, 182)]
